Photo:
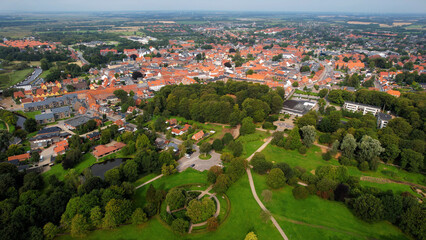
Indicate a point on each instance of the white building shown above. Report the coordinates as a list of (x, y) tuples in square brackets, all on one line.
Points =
[(383, 119), (354, 107)]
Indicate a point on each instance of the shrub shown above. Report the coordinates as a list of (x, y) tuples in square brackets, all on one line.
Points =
[(259, 163), (275, 178), (303, 149), (364, 166), (325, 138), (269, 125), (180, 226), (312, 188), (345, 161), (300, 192), (326, 156), (292, 181)]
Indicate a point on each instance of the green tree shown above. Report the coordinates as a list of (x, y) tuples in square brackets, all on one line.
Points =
[(117, 211), (236, 148), (250, 236), (79, 226), (413, 221), (400, 127), (212, 224), (217, 145), (223, 182), (411, 160), (205, 148), (275, 178), (50, 230), (113, 176), (30, 125), (369, 148), (227, 138), (175, 198), (259, 163), (180, 226), (309, 134), (130, 170), (139, 216), (300, 192), (96, 217), (368, 207), (348, 145), (247, 126), (293, 140), (199, 211)]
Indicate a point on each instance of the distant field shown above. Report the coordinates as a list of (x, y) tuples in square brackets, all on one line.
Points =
[(321, 219), (12, 78)]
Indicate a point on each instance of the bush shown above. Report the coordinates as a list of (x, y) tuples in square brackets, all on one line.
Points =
[(269, 125), (168, 218), (324, 138), (309, 178), (300, 192), (364, 166), (312, 189), (180, 226), (275, 178), (303, 149), (292, 181), (259, 163), (326, 156), (345, 161)]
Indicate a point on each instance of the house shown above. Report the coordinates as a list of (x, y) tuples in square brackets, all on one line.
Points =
[(103, 150), (353, 107), (47, 136), (297, 107), (74, 123), (61, 112), (18, 94), (383, 119), (172, 121), (61, 147), (45, 118), (394, 93), (177, 132), (20, 158), (94, 136), (198, 135)]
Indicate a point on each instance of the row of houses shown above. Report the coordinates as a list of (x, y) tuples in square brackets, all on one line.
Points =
[(53, 115), (50, 103)]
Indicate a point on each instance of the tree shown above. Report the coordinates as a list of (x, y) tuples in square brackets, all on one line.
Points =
[(411, 160), (139, 216), (323, 92), (205, 148), (250, 236), (212, 224), (223, 182), (259, 163), (236, 148), (300, 192), (277, 139), (295, 84), (175, 198), (30, 125), (130, 170), (400, 127), (309, 134), (96, 217), (275, 178), (213, 173), (293, 140), (247, 126), (199, 211), (180, 226), (369, 148), (79, 226), (305, 68), (368, 207), (348, 145), (50, 230), (117, 211), (413, 221), (217, 145), (227, 138), (113, 176)]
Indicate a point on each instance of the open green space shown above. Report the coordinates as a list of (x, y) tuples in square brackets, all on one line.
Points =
[(251, 142), (29, 114), (312, 159), (12, 78), (244, 215), (330, 218), (60, 172)]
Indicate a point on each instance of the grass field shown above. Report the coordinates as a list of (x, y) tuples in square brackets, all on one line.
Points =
[(252, 142), (11, 78), (244, 215), (59, 171), (332, 220), (30, 114)]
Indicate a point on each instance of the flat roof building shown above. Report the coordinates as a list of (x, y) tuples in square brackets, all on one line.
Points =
[(297, 107)]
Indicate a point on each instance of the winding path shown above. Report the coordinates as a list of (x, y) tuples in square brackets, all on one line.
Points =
[(253, 190)]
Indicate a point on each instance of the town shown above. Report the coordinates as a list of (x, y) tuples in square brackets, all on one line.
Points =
[(245, 127)]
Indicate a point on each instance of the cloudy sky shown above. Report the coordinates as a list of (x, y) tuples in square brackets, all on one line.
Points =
[(358, 6)]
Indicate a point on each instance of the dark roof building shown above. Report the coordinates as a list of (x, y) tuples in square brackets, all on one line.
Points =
[(297, 107)]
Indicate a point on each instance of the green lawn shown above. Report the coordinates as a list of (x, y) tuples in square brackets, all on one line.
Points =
[(30, 114), (329, 217), (59, 172), (312, 159), (12, 78), (2, 125), (244, 215), (252, 142)]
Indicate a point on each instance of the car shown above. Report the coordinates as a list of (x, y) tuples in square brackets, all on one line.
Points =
[(192, 165), (187, 155)]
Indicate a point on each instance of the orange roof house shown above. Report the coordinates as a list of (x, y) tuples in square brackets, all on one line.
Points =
[(61, 147), (394, 93), (21, 157), (18, 94), (198, 135), (102, 150)]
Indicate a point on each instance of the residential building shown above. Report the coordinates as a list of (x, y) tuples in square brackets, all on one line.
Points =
[(383, 119), (364, 108)]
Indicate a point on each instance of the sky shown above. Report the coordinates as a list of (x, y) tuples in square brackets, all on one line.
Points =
[(355, 6)]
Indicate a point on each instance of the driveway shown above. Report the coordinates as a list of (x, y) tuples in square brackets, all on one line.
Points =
[(200, 164)]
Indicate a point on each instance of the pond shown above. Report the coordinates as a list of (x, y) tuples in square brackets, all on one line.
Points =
[(99, 169)]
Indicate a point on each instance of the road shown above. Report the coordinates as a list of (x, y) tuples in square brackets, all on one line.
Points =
[(256, 197), (30, 79)]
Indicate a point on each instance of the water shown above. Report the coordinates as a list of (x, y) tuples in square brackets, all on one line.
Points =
[(20, 121), (99, 169)]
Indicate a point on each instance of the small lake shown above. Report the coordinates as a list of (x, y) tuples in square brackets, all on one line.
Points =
[(20, 121), (99, 169)]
